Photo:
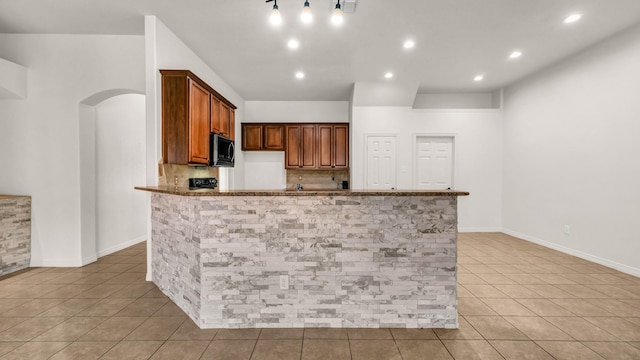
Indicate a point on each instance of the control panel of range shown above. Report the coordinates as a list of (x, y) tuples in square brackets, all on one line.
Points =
[(202, 183)]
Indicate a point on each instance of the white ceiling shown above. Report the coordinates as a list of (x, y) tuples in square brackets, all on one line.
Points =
[(455, 39)]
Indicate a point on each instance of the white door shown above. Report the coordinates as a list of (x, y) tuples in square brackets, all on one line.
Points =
[(381, 162), (434, 164)]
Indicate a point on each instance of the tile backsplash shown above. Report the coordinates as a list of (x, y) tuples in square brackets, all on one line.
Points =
[(316, 179), (168, 174)]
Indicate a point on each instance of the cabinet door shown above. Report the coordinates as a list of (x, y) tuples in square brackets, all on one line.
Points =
[(325, 147), (308, 148), (273, 137), (251, 137), (225, 116), (215, 115), (293, 147), (199, 113), (232, 124), (341, 146)]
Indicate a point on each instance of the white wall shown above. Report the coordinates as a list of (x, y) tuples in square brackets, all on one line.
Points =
[(120, 166), (296, 111), (572, 140), (478, 154), (39, 135), (455, 101)]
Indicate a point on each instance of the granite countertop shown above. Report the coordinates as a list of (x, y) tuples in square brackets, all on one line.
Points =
[(12, 196), (183, 191)]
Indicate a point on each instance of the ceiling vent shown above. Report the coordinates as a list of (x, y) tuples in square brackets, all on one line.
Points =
[(348, 6)]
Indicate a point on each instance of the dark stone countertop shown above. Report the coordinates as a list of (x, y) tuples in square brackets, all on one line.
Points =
[(183, 191)]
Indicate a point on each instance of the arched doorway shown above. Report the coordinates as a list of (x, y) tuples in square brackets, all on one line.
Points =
[(112, 161)]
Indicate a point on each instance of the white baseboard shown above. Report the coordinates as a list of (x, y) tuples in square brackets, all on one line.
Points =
[(89, 260), (596, 259), (121, 246), (478, 229)]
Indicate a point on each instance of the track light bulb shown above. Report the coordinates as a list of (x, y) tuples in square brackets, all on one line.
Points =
[(337, 17), (306, 16), (275, 17)]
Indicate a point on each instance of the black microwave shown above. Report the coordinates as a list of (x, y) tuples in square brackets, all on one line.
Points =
[(222, 151)]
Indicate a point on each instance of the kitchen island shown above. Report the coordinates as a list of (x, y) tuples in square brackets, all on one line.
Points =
[(15, 233), (243, 259)]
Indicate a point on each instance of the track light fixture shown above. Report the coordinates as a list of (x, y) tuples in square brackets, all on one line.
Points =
[(275, 19), (337, 16)]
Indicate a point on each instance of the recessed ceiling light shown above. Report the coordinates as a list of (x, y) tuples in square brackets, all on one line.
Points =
[(478, 78), (388, 75), (299, 75), (293, 44), (409, 44), (516, 54), (572, 18)]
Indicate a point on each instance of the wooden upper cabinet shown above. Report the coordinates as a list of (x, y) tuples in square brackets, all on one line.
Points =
[(341, 146), (333, 146), (263, 137), (215, 115), (225, 119), (300, 152), (190, 113), (199, 113), (251, 137), (232, 124), (273, 137)]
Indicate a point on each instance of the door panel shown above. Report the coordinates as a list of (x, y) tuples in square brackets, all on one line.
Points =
[(198, 124), (434, 165), (381, 162)]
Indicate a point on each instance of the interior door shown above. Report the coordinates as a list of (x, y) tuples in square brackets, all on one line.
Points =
[(434, 162), (381, 162)]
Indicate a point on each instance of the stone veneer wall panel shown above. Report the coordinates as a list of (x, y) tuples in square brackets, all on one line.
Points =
[(15, 233), (352, 261)]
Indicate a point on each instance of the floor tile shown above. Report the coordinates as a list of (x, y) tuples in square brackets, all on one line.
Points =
[(181, 349), (423, 349), (115, 329), (537, 328), (100, 292), (84, 350), (526, 279), (520, 350), (326, 333), (190, 331), (29, 329), (485, 291), (168, 309), (71, 329), (544, 307), (566, 350), (133, 291), (9, 322), (469, 279), (517, 291), (229, 350), (374, 350), (69, 307), (550, 291), (369, 334), (158, 328), (580, 329), (495, 327), (7, 346), (471, 350), (616, 307), (237, 334), (583, 292), (413, 334), (32, 307), (281, 334), (324, 349), (619, 327), (474, 306), (142, 307), (508, 307), (581, 307), (106, 307), (614, 350), (277, 350), (35, 350), (496, 279), (68, 291), (465, 331), (132, 350)]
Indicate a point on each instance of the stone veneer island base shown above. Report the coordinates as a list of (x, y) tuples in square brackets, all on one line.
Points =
[(15, 233), (351, 258)]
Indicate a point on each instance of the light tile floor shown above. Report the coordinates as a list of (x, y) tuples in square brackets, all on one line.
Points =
[(517, 300)]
